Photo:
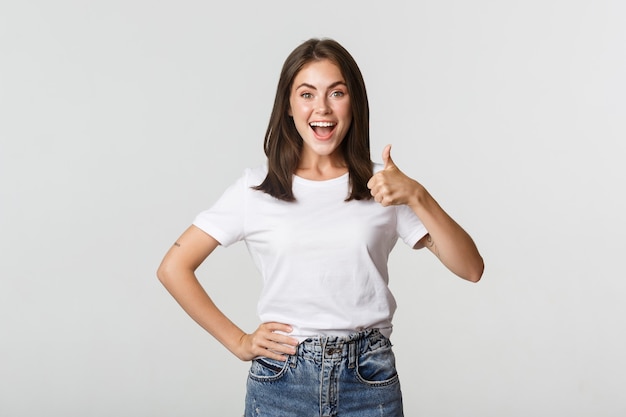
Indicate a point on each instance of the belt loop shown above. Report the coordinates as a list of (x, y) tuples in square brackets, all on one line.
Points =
[(352, 354), (293, 359)]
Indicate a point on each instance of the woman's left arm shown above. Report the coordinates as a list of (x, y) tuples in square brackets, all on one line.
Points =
[(446, 238)]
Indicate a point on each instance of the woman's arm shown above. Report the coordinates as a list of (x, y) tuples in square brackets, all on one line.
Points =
[(445, 238), (177, 274)]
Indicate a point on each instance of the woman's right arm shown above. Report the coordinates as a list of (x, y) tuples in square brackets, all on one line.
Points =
[(177, 274)]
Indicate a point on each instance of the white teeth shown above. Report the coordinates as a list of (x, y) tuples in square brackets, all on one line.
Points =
[(322, 124)]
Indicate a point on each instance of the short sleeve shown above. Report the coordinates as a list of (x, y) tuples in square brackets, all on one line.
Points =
[(409, 226), (225, 220)]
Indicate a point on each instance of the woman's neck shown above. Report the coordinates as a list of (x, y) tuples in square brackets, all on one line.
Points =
[(321, 168)]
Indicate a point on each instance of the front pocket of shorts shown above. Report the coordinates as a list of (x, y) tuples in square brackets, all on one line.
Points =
[(377, 368), (266, 370)]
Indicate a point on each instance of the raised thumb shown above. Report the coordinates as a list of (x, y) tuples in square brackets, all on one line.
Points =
[(387, 157)]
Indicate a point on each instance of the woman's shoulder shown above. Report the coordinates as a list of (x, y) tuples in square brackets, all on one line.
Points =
[(255, 175), (251, 177)]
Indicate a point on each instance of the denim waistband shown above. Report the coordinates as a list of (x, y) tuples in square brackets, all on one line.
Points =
[(336, 348)]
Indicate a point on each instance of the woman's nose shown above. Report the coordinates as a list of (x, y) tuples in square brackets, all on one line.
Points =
[(322, 106)]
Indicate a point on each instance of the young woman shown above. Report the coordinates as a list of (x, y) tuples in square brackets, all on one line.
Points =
[(319, 220)]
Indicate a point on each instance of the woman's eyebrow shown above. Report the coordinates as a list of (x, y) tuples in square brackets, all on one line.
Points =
[(333, 85)]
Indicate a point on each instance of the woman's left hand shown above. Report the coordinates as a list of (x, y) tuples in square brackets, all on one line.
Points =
[(391, 187)]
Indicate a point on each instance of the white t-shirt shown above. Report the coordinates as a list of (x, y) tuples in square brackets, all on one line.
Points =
[(323, 260)]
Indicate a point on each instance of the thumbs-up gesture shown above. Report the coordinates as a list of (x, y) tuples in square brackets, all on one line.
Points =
[(390, 186)]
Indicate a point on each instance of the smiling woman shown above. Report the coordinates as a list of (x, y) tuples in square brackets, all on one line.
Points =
[(320, 107), (320, 221)]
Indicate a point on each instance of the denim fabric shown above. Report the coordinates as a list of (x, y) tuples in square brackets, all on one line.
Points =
[(353, 376)]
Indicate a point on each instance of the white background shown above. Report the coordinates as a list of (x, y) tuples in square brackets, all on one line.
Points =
[(121, 120)]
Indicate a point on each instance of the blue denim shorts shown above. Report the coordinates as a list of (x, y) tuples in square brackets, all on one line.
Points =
[(352, 376)]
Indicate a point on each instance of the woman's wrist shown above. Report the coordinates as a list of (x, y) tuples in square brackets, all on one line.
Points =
[(418, 197)]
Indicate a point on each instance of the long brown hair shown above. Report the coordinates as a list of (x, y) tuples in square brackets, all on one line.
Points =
[(283, 143)]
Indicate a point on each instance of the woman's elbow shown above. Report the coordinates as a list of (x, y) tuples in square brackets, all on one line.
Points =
[(476, 272), (163, 273)]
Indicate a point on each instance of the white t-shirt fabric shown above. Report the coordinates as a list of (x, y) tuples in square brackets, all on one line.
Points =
[(323, 260)]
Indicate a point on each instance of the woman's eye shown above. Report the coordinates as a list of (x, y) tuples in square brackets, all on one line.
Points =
[(337, 94), (306, 95)]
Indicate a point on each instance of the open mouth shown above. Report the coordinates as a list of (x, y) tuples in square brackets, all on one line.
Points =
[(323, 130)]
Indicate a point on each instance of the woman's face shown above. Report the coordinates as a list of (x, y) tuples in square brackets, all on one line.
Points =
[(320, 106)]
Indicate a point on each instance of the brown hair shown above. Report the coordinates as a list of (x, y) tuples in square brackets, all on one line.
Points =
[(283, 143)]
